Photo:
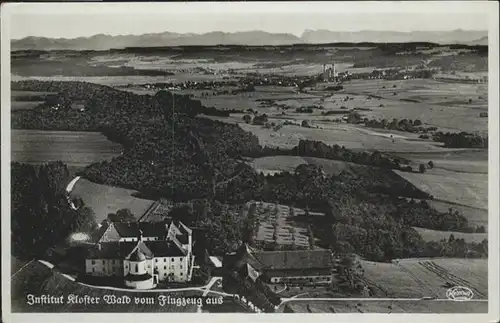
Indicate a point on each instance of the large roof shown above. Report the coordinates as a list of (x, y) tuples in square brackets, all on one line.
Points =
[(296, 259), (248, 271), (148, 249), (114, 231), (133, 229), (165, 249), (137, 255)]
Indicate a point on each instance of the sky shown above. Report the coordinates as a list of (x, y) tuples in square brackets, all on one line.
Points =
[(125, 19)]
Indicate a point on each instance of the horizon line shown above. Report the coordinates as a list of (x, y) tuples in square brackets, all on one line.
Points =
[(254, 30)]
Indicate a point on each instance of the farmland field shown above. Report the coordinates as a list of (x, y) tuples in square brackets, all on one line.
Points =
[(443, 105), (436, 235), (289, 163), (378, 306), (24, 105), (277, 163), (348, 135), (427, 277), (103, 199), (457, 188), (74, 148), (475, 216)]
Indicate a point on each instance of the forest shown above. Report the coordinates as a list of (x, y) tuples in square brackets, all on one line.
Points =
[(170, 153), (40, 210)]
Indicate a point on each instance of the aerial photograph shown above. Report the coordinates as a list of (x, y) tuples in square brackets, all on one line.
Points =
[(274, 163)]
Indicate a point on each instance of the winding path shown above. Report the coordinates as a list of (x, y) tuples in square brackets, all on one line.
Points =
[(71, 184)]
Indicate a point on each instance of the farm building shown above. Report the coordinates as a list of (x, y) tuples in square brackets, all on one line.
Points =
[(143, 253), (291, 266)]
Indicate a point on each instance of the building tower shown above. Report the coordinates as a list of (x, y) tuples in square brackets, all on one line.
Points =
[(136, 268)]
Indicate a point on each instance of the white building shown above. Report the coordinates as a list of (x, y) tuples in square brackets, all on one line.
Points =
[(143, 253)]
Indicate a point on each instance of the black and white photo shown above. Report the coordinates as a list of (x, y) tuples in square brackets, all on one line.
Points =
[(278, 159)]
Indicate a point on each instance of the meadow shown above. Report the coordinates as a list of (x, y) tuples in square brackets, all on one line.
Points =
[(378, 306), (458, 180), (475, 216), (104, 199), (24, 105), (436, 235), (351, 136), (444, 105), (25, 100), (412, 278), (74, 148), (469, 189), (289, 163)]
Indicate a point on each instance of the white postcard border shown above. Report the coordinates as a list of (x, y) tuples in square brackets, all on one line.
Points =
[(182, 8)]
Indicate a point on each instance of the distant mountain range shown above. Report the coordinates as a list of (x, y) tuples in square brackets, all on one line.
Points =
[(459, 36), (250, 38)]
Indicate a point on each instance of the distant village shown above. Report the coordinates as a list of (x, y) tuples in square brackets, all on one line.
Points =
[(329, 73)]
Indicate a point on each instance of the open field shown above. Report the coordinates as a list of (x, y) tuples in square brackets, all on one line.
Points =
[(459, 180), (240, 102), (277, 163), (103, 199), (443, 105), (289, 163), (24, 105), (38, 280), (29, 93), (422, 90), (436, 235), (348, 135), (448, 186), (427, 277), (74, 148), (475, 216), (383, 306), (458, 160)]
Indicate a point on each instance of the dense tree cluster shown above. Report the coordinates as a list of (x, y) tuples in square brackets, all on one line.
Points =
[(461, 140), (26, 67), (319, 149), (304, 110), (260, 120), (456, 248), (381, 231), (41, 213), (171, 153), (414, 126)]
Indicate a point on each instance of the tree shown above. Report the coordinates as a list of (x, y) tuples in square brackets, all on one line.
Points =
[(41, 215), (421, 168), (260, 120), (247, 118), (481, 229), (431, 164), (354, 117), (122, 215)]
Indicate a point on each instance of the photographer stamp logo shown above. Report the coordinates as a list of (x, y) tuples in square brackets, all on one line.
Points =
[(459, 293)]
